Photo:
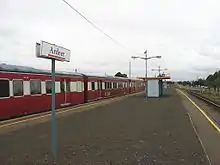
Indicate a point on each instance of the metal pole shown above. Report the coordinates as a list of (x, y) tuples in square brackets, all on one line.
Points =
[(159, 70), (54, 134), (146, 72), (129, 69)]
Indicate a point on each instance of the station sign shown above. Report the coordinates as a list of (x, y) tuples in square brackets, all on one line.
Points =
[(52, 51)]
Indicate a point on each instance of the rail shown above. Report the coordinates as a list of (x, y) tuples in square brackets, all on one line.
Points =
[(205, 99)]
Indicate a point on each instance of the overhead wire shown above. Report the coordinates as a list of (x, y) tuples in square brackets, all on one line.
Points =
[(96, 27)]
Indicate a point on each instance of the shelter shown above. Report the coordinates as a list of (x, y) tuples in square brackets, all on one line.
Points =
[(155, 85)]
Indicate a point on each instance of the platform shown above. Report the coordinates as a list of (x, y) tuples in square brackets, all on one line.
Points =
[(130, 131)]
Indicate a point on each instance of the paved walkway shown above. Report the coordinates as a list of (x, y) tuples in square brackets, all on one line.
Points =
[(130, 131)]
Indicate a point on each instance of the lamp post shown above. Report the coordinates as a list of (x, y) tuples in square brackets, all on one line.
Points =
[(146, 72), (145, 58), (159, 69), (129, 66)]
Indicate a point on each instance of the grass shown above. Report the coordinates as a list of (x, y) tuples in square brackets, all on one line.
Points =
[(210, 94)]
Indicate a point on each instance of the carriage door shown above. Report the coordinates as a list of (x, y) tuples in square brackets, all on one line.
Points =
[(100, 88), (65, 89), (67, 92), (129, 86)]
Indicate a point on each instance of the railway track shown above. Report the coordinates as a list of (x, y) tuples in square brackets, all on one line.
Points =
[(210, 110), (205, 99)]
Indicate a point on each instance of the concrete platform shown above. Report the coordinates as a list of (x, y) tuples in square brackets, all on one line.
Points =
[(208, 133), (130, 131)]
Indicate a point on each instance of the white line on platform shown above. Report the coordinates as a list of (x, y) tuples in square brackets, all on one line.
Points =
[(203, 147)]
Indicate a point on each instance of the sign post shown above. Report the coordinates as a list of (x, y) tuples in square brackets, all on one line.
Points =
[(53, 52), (53, 103)]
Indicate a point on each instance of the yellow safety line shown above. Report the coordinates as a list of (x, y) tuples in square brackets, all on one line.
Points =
[(202, 111), (92, 104)]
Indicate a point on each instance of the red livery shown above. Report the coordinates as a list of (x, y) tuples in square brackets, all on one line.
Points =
[(25, 90)]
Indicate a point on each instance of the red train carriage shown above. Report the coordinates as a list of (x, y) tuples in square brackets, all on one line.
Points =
[(26, 93), (105, 87), (25, 90), (136, 86)]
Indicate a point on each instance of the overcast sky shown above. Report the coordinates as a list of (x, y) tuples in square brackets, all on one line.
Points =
[(185, 33)]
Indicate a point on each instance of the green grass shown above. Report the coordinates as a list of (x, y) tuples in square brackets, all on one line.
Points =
[(210, 95)]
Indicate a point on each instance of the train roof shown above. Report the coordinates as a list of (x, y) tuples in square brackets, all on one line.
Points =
[(113, 77), (27, 69), (123, 78)]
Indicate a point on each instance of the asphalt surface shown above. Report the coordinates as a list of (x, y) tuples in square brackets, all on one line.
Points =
[(130, 131), (206, 132)]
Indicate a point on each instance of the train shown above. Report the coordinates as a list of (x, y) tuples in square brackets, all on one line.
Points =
[(26, 90)]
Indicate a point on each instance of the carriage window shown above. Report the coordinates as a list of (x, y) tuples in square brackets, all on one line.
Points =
[(93, 85), (35, 87), (4, 88), (18, 88), (114, 85), (98, 84), (120, 85), (48, 86), (67, 86), (62, 87)]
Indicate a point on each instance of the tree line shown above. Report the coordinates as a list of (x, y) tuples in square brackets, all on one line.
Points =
[(119, 74), (212, 81)]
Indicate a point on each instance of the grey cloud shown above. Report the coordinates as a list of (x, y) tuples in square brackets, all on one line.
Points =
[(210, 50), (7, 32), (205, 70), (188, 41)]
